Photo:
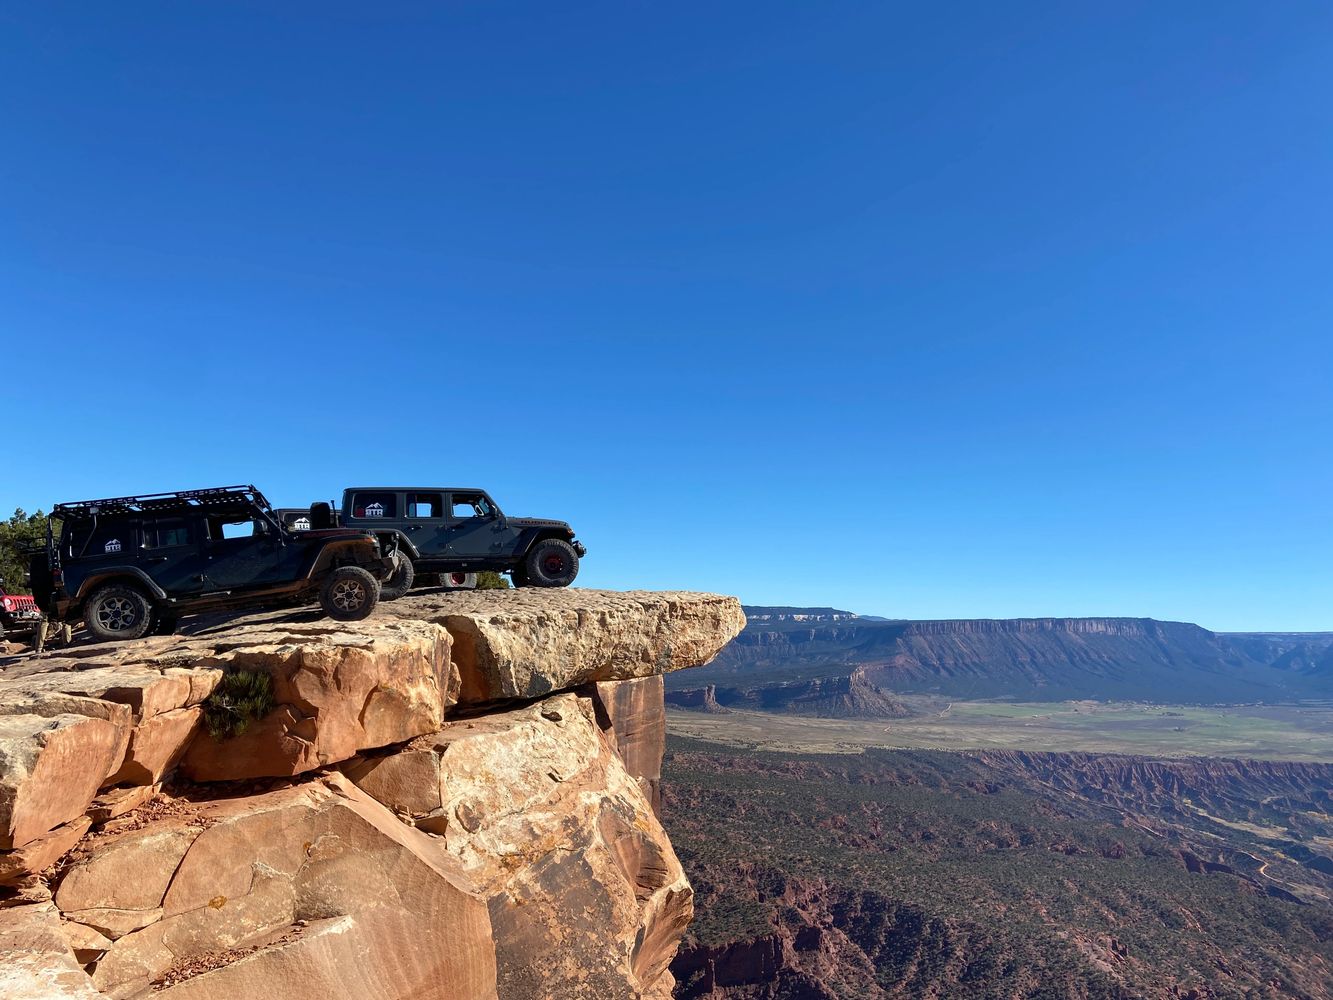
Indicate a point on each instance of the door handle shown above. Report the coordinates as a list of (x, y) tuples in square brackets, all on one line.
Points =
[(156, 559)]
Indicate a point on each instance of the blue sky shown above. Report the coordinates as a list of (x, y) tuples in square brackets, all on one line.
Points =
[(923, 311)]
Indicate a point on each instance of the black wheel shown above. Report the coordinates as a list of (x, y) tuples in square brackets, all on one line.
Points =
[(552, 563), (400, 581), (349, 594), (518, 576), (118, 611)]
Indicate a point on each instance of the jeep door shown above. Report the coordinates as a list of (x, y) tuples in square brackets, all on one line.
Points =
[(243, 552), (171, 552), (476, 530), (424, 523)]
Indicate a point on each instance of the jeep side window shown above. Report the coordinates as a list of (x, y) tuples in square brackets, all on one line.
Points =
[(379, 505), (167, 532), (425, 505), (470, 505), (220, 528)]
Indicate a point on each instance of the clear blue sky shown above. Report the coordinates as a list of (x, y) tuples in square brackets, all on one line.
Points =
[(919, 310)]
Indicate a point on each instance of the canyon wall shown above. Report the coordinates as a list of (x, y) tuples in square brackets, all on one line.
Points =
[(1029, 659)]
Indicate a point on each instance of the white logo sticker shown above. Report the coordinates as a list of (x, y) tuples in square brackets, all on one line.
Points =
[(112, 546), (375, 510), (301, 524)]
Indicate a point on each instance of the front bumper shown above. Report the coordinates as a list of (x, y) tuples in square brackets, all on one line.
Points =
[(580, 549)]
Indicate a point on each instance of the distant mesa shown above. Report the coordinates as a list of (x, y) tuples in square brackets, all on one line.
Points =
[(756, 613), (861, 662)]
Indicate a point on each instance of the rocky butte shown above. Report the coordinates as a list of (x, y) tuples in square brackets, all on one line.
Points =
[(456, 798)]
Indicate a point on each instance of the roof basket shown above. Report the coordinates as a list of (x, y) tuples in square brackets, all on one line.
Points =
[(218, 496)]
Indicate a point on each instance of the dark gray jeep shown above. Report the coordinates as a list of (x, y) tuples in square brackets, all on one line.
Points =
[(451, 530), (130, 565)]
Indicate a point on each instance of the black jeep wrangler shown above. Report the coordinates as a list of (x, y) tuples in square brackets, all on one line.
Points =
[(131, 565), (451, 531)]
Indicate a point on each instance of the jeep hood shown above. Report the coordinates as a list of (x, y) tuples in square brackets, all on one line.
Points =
[(539, 522)]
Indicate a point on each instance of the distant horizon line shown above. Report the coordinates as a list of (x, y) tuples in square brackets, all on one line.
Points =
[(797, 609)]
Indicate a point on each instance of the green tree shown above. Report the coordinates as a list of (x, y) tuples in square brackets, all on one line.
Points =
[(20, 533), (490, 580)]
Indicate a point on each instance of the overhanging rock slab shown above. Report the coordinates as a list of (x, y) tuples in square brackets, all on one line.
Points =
[(531, 642)]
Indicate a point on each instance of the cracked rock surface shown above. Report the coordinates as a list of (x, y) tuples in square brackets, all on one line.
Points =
[(454, 798)]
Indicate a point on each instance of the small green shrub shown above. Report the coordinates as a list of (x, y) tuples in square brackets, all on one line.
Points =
[(241, 697), (491, 580)]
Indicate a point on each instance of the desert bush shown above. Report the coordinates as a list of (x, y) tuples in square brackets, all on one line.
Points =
[(241, 697)]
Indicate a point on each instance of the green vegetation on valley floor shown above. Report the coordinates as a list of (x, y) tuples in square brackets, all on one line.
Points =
[(1299, 732)]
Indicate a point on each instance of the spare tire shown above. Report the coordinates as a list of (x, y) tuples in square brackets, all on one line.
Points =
[(400, 581), (40, 581)]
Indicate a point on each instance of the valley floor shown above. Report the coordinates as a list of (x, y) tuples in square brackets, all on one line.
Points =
[(1302, 732)]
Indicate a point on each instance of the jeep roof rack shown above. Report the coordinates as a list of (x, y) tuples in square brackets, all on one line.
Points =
[(218, 496)]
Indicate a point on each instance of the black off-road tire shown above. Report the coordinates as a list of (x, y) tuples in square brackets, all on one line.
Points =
[(518, 577), (552, 563), (118, 611), (349, 594), (400, 582)]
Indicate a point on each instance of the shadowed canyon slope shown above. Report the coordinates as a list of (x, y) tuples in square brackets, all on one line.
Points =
[(455, 798), (1033, 659), (897, 874)]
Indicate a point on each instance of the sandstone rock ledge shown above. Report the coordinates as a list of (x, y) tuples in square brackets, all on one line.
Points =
[(454, 799)]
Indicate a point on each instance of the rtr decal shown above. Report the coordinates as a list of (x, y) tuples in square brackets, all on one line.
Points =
[(112, 546)]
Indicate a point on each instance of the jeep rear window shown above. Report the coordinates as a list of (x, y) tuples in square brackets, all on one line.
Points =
[(374, 505), (167, 532), (101, 538), (425, 505)]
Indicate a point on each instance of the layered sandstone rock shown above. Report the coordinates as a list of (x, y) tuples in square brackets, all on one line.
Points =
[(38, 963), (566, 849), (530, 642), (279, 873), (339, 689), (497, 837), (635, 711), (50, 769)]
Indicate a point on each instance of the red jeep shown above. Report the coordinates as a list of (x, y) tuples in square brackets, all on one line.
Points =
[(19, 616)]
